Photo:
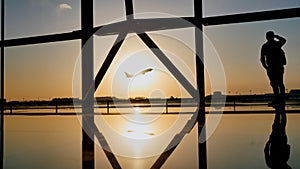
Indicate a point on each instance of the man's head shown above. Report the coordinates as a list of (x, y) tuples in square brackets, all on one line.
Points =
[(270, 35)]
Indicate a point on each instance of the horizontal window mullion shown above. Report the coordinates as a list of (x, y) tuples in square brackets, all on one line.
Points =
[(42, 39), (252, 17), (156, 24)]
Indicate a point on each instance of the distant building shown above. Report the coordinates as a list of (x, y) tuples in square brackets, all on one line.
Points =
[(294, 94), (4, 101), (105, 98)]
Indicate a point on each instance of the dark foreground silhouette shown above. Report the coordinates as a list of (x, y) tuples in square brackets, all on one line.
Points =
[(277, 150), (273, 60)]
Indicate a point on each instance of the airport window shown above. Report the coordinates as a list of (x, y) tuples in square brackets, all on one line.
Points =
[(241, 57), (41, 44), (108, 11), (156, 9), (32, 18), (228, 7)]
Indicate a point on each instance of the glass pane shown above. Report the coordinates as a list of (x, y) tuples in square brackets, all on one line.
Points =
[(108, 11), (239, 48), (40, 72), (239, 141), (34, 75), (245, 136), (29, 18), (42, 142), (137, 73), (134, 56), (225, 7), (166, 8), (184, 156)]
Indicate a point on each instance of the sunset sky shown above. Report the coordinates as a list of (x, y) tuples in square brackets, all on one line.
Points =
[(46, 71)]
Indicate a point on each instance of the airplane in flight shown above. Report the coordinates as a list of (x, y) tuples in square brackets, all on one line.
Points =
[(143, 72)]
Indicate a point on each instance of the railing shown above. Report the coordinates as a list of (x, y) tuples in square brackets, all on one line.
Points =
[(10, 109), (230, 107)]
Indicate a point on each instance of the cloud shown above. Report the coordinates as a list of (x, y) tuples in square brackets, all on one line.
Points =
[(64, 6)]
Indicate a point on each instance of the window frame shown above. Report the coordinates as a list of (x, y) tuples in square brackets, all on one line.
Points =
[(87, 29)]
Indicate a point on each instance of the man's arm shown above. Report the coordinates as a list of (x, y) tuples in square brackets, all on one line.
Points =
[(280, 39), (263, 57)]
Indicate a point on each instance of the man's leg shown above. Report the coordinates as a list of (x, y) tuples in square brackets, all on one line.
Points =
[(273, 82), (280, 82)]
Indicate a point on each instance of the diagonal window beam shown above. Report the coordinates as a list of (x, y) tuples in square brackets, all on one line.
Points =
[(109, 58), (170, 66), (175, 142), (107, 150)]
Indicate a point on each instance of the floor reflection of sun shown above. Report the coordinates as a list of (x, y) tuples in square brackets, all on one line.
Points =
[(139, 140), (136, 130)]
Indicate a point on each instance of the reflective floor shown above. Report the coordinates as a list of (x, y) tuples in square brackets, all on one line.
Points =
[(55, 142)]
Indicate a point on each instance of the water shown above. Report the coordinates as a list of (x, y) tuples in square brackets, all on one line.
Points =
[(55, 142)]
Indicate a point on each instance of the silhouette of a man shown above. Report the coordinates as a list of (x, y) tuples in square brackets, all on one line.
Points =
[(273, 60), (277, 150)]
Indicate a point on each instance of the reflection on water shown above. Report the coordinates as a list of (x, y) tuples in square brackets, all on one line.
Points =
[(240, 139), (55, 142), (42, 142), (139, 137), (277, 150)]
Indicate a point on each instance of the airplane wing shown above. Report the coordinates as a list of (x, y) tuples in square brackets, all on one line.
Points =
[(143, 72), (128, 75), (146, 71)]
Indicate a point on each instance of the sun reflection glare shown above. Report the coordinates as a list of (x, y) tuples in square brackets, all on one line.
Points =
[(138, 131)]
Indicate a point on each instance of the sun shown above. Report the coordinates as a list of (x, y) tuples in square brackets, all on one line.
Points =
[(136, 71)]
